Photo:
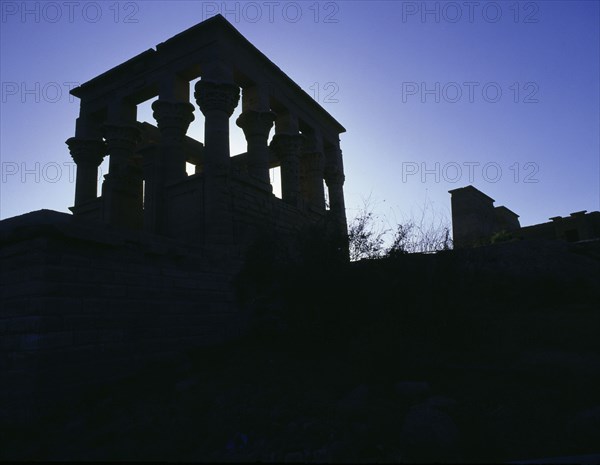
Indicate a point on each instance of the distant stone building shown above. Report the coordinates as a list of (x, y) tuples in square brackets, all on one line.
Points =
[(475, 220)]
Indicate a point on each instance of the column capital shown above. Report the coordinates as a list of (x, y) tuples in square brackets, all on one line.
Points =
[(256, 123), (313, 141), (87, 154), (334, 176), (121, 136), (216, 96), (173, 119), (86, 151), (172, 114), (334, 153), (286, 145)]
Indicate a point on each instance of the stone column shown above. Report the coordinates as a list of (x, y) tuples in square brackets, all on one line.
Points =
[(334, 177), (87, 155), (216, 100), (152, 174), (173, 119), (314, 166), (288, 148), (256, 126), (122, 187), (335, 185)]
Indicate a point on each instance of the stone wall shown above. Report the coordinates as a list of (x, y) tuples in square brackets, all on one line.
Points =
[(255, 211), (475, 221), (82, 302), (575, 227), (482, 354)]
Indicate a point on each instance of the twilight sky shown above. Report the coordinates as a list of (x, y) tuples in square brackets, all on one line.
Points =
[(434, 95)]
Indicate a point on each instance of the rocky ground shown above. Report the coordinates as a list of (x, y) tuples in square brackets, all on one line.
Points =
[(249, 402), (409, 360)]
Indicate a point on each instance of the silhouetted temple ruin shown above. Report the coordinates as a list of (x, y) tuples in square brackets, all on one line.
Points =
[(228, 199), (149, 267)]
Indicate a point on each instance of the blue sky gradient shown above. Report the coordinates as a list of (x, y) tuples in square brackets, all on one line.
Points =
[(396, 74)]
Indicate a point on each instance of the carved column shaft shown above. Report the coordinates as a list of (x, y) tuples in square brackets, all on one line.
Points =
[(288, 148), (121, 140), (87, 155), (122, 187), (256, 126), (314, 166), (173, 119), (335, 185), (334, 177), (217, 102)]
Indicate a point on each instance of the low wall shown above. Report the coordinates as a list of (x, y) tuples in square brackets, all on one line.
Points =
[(82, 303)]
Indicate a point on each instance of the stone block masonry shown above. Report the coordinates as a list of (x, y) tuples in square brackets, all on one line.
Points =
[(83, 303)]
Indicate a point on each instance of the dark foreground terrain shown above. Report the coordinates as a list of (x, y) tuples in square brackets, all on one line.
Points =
[(485, 355)]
